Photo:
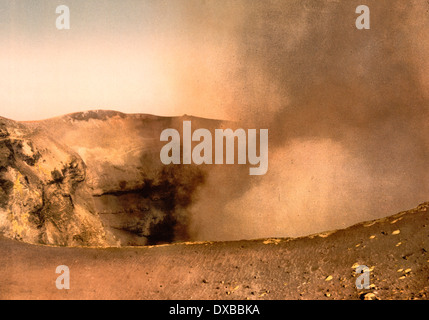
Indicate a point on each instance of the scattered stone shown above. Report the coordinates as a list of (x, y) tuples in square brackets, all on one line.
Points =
[(328, 278), (272, 241), (368, 296)]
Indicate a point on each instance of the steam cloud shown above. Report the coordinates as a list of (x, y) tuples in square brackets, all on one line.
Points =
[(347, 113)]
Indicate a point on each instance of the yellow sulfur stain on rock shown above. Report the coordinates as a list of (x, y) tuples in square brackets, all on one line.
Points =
[(18, 185), (44, 171), (17, 229), (19, 225)]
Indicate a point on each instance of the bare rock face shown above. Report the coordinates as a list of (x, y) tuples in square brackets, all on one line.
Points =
[(152, 212), (43, 195), (94, 179)]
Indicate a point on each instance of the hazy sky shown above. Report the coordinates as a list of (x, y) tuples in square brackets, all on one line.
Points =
[(216, 59), (161, 57)]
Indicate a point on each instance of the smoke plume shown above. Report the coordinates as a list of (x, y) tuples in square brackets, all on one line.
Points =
[(347, 113)]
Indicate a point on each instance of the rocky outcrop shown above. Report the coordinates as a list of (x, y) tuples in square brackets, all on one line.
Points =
[(153, 212), (43, 195), (93, 179)]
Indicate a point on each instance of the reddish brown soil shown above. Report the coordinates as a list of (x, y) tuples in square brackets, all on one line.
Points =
[(259, 269)]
